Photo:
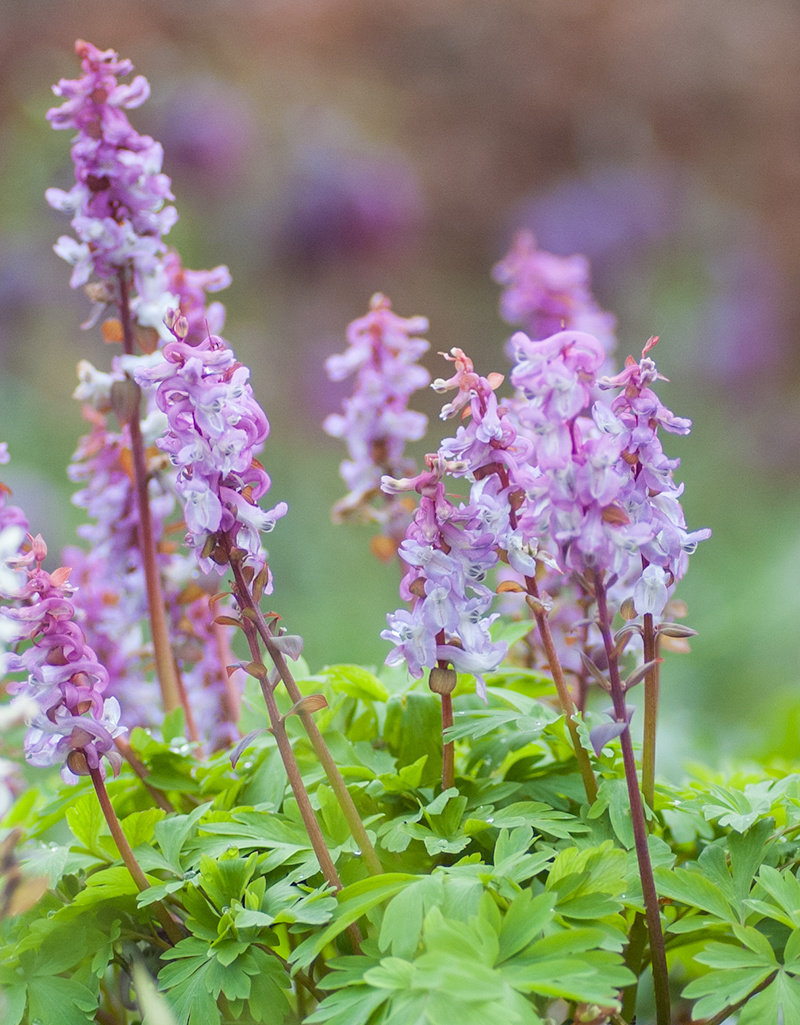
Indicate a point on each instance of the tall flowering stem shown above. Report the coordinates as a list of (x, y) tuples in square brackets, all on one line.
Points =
[(650, 643), (253, 615), (278, 729), (119, 217), (171, 692), (650, 496), (74, 723), (170, 927), (215, 429), (621, 713), (539, 609)]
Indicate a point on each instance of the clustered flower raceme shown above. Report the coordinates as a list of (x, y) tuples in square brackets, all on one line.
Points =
[(215, 429), (376, 422), (576, 497), (448, 552), (13, 527), (75, 724), (112, 598), (594, 490), (545, 293), (651, 494), (118, 200)]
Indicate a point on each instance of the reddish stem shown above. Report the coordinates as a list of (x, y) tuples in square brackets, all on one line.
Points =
[(165, 662), (170, 927), (658, 956)]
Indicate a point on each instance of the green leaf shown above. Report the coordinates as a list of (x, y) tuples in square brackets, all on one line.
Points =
[(356, 681), (85, 819), (139, 826), (402, 921), (174, 725), (349, 1007), (721, 989), (736, 808), (693, 889), (354, 901), (413, 728), (763, 1008), (172, 833), (65, 1001), (613, 795), (784, 889), (525, 918)]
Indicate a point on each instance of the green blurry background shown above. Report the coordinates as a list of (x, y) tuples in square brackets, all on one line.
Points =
[(327, 149)]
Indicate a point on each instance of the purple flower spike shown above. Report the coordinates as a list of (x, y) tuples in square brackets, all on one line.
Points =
[(215, 429), (376, 422), (118, 201), (650, 494), (447, 551), (546, 294), (75, 724)]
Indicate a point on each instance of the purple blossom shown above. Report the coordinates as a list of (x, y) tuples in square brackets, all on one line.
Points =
[(376, 422), (650, 494), (546, 294), (118, 200), (215, 428), (447, 551), (76, 724)]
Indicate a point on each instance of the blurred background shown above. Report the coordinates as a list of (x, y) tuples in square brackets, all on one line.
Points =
[(328, 149)]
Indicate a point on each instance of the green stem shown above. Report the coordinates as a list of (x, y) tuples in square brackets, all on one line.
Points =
[(128, 858), (162, 650), (564, 696), (651, 693), (658, 956), (330, 767)]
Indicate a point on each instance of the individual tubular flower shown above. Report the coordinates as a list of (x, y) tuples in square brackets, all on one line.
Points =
[(76, 725), (118, 200), (376, 422), (545, 294), (215, 429)]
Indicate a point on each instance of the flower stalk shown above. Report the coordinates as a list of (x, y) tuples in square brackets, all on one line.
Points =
[(253, 617), (651, 695), (564, 697), (170, 927), (658, 957), (164, 660)]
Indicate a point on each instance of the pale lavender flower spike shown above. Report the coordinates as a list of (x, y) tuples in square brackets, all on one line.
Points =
[(118, 200), (216, 427), (544, 293), (76, 725), (447, 551), (376, 422)]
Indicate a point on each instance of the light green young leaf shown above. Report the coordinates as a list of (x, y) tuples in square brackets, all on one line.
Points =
[(354, 901), (763, 1008), (356, 681), (85, 819), (693, 889)]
